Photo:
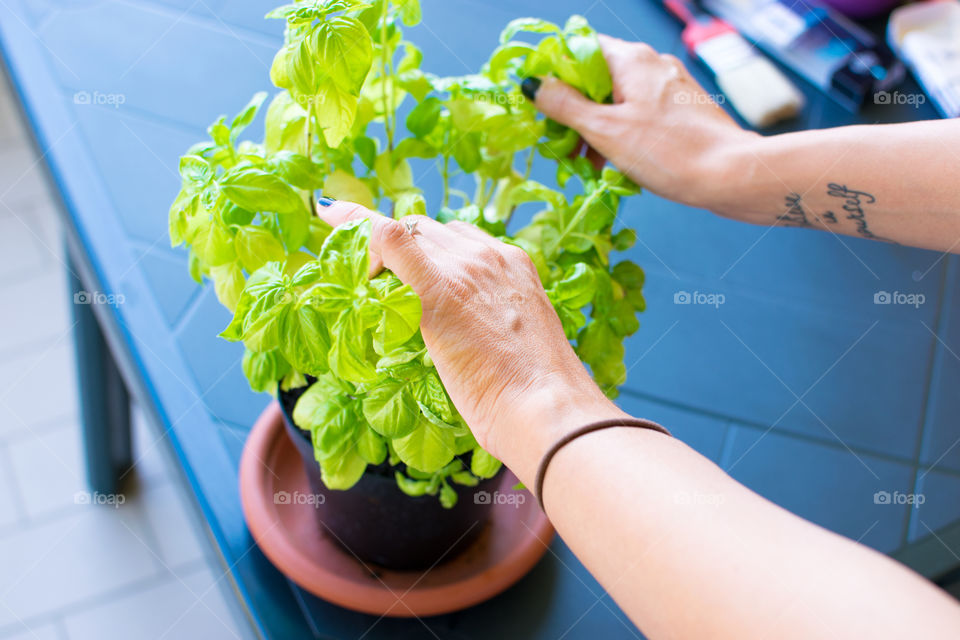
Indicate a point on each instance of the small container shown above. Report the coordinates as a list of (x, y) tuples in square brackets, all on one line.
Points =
[(927, 36), (378, 523)]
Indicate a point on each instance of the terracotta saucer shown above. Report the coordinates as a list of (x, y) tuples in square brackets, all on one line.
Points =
[(513, 542)]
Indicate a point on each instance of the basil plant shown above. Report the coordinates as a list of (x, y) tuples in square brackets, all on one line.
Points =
[(303, 304)]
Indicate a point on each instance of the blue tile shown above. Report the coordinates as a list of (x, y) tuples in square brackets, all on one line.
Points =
[(209, 357), (249, 15), (230, 399), (826, 485), (941, 444), (170, 282), (749, 358), (941, 503), (171, 65), (137, 161), (702, 432)]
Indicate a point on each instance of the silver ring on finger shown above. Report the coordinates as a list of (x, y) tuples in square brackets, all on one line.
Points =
[(410, 224)]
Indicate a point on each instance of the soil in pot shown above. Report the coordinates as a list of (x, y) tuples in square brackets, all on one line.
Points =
[(378, 523)]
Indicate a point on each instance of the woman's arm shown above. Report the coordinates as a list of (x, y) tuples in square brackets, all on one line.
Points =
[(893, 182), (685, 550)]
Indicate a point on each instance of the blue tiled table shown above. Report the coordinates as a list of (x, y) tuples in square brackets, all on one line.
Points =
[(799, 384)]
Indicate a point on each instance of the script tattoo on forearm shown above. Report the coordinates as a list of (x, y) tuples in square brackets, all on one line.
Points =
[(794, 214), (853, 204)]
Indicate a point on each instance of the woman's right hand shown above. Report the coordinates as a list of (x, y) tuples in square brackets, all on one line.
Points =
[(492, 332), (663, 130)]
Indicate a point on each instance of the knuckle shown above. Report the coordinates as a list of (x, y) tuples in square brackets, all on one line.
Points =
[(460, 225), (642, 51), (389, 232), (673, 63)]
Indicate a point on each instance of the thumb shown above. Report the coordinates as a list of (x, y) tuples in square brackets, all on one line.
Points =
[(389, 241), (561, 102)]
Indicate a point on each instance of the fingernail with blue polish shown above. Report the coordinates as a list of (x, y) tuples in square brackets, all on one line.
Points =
[(324, 201), (529, 88)]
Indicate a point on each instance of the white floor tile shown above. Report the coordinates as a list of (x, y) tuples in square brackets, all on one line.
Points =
[(152, 462), (174, 526), (191, 608), (40, 313), (71, 560), (38, 389), (48, 469), (21, 174), (20, 248), (39, 222), (11, 125)]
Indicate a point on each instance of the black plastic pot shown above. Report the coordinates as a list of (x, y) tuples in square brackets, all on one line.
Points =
[(378, 523)]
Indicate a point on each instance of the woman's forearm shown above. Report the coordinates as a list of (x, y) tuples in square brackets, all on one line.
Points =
[(899, 183), (688, 552)]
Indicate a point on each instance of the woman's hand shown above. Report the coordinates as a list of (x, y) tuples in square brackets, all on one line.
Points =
[(663, 130), (495, 339)]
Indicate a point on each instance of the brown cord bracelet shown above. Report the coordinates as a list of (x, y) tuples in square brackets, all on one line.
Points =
[(589, 428)]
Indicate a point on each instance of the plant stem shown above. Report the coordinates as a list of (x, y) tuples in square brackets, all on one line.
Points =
[(384, 71)]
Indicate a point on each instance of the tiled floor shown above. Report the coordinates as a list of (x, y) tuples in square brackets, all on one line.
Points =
[(69, 569)]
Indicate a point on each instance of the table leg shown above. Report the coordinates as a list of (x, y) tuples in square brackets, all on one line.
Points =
[(104, 400)]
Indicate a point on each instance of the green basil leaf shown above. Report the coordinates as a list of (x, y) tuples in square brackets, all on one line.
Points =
[(428, 448), (344, 256), (484, 465), (256, 246), (391, 409), (413, 488), (531, 25), (366, 149), (348, 351), (286, 124), (424, 117), (256, 190), (395, 177), (448, 496), (304, 340), (409, 204), (296, 169), (593, 71), (228, 283), (340, 185), (371, 446), (342, 471), (264, 370), (195, 169), (409, 12), (400, 319)]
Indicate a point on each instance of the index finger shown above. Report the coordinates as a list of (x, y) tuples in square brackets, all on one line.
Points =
[(389, 241)]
